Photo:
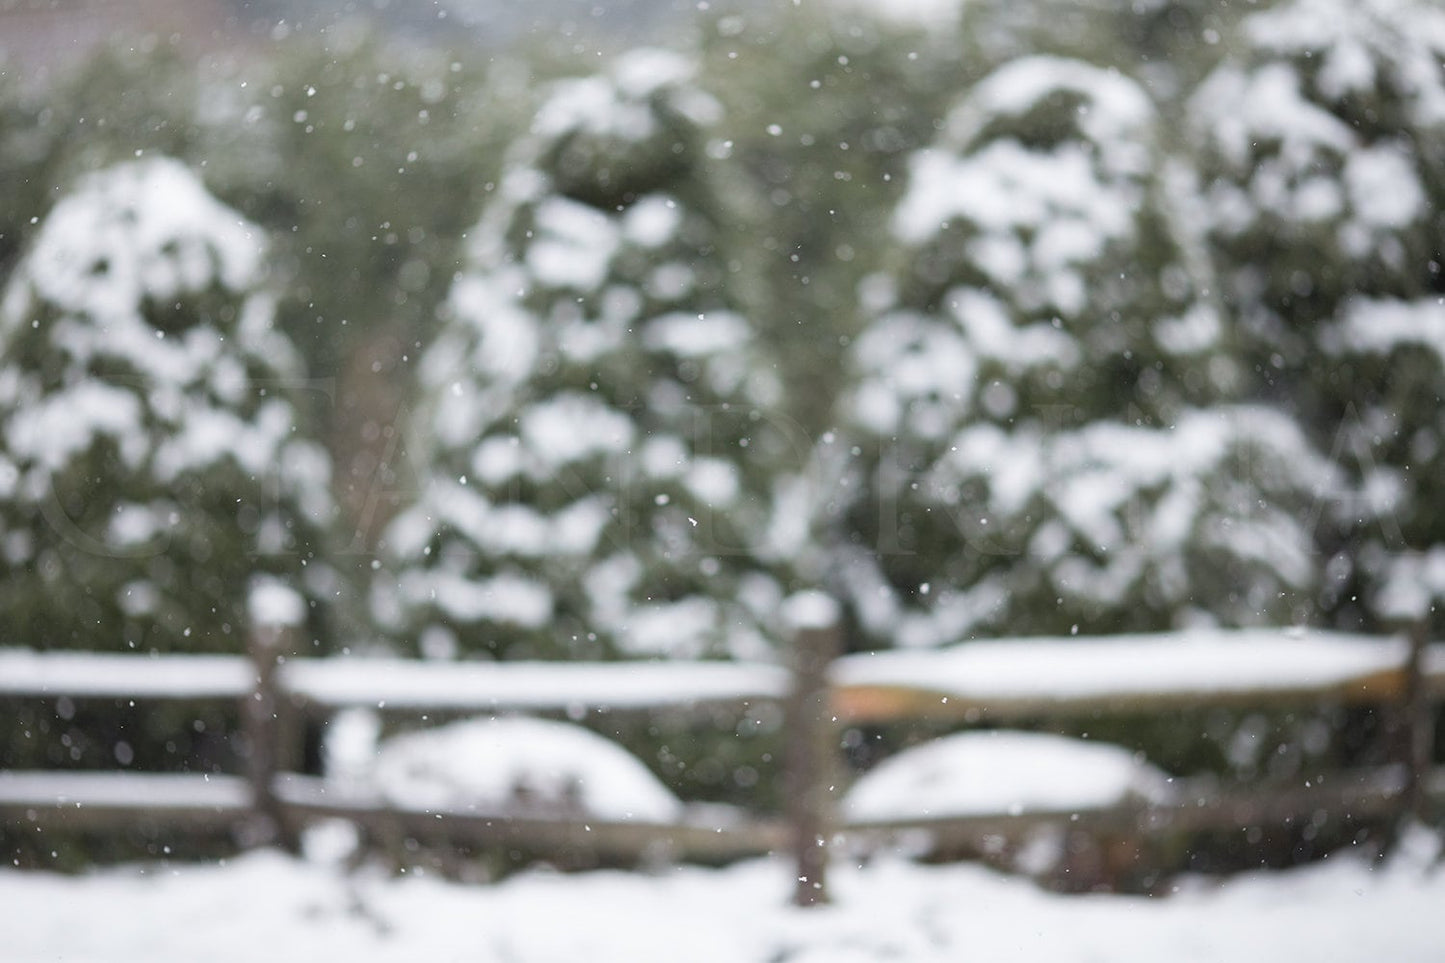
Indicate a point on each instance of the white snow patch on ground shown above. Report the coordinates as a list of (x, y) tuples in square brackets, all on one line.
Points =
[(1342, 911)]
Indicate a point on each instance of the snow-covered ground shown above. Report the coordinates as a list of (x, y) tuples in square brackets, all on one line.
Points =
[(266, 905)]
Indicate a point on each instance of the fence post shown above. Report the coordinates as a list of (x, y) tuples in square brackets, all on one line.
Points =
[(268, 717), (811, 747), (1416, 723)]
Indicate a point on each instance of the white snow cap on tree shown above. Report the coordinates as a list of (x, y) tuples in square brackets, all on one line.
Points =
[(1039, 263), (1280, 121), (1112, 151), (1035, 214), (110, 269), (139, 231)]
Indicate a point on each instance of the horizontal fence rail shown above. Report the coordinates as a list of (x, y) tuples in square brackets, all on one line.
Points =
[(404, 685), (26, 673), (703, 832), (107, 801), (536, 686), (88, 800)]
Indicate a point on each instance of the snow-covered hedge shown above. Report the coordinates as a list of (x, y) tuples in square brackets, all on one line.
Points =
[(1045, 393), (592, 400), (151, 460)]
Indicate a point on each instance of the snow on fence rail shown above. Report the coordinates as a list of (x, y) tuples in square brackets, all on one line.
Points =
[(969, 682), (399, 684), (26, 673), (1008, 679)]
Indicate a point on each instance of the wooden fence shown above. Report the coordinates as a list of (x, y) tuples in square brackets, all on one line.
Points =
[(818, 693)]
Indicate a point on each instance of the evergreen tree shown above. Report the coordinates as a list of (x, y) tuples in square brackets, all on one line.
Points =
[(596, 404), (1320, 141), (1037, 458), (151, 463)]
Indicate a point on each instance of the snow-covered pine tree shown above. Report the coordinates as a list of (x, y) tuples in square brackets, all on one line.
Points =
[(153, 477), (1030, 393), (1320, 144), (597, 409)]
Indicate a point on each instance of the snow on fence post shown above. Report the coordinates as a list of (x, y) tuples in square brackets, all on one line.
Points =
[(810, 764), (268, 718)]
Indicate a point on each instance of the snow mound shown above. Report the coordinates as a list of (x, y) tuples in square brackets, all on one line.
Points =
[(524, 766), (980, 773)]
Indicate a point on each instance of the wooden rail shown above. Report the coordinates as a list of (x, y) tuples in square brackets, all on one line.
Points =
[(1200, 804), (106, 801), (111, 800)]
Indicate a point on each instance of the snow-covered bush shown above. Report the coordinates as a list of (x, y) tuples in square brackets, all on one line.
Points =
[(1319, 146), (151, 464), (596, 405), (1031, 390), (1039, 262)]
